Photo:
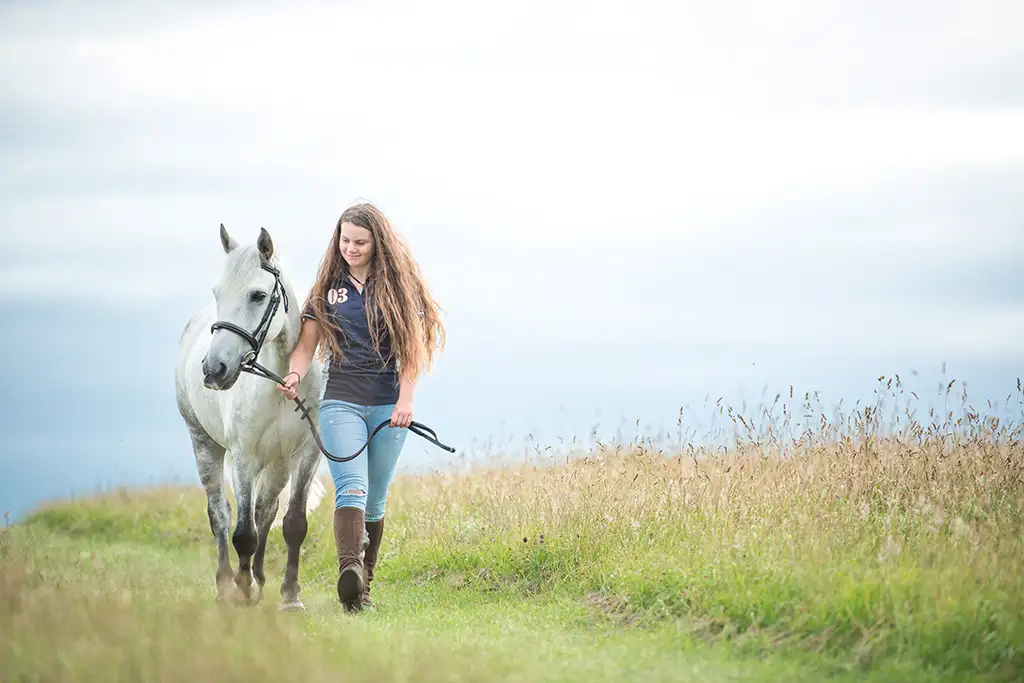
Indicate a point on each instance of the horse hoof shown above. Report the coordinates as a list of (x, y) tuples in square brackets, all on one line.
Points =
[(247, 598), (292, 606)]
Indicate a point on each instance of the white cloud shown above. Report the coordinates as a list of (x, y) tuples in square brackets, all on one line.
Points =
[(606, 160), (582, 115), (728, 53)]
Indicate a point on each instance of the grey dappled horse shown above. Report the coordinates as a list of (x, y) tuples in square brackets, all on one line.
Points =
[(238, 414)]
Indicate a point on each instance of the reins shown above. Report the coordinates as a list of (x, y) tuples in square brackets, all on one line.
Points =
[(250, 365)]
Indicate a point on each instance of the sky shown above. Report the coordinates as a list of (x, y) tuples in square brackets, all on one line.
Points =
[(623, 208)]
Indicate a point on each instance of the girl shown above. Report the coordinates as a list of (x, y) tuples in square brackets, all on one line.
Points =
[(374, 321)]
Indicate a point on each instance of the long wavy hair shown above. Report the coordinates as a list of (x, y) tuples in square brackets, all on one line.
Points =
[(398, 297)]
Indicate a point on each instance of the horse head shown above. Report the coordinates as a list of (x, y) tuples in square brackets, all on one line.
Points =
[(250, 296)]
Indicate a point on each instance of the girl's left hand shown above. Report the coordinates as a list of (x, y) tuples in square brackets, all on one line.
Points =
[(402, 415)]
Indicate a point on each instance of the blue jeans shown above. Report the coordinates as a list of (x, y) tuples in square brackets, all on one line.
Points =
[(364, 481)]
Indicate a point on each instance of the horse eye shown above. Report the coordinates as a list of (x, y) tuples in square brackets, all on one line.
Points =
[(257, 297)]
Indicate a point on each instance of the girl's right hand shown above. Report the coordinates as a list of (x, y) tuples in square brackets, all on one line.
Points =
[(290, 386)]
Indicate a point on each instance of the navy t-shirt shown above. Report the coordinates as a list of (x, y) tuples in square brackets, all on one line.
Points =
[(360, 376)]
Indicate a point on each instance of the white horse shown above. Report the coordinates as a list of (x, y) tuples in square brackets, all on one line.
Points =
[(244, 416)]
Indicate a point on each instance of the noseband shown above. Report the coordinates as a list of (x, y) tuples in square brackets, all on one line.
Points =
[(256, 338), (277, 296)]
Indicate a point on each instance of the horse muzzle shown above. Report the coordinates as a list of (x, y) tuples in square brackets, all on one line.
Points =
[(217, 375)]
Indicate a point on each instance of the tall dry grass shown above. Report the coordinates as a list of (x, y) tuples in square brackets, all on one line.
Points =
[(888, 538), (873, 532)]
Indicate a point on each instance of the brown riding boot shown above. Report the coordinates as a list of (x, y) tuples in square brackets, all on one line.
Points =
[(348, 539), (375, 530)]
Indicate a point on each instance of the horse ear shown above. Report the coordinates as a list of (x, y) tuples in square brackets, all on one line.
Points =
[(265, 244), (226, 240)]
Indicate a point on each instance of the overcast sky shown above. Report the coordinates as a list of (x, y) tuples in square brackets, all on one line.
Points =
[(622, 207)]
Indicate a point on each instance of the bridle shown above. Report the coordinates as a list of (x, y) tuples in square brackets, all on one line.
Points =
[(279, 296), (259, 335)]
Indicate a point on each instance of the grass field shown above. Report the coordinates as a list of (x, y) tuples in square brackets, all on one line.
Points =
[(864, 552)]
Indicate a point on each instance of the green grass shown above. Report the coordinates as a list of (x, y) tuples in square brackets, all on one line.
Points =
[(102, 608), (877, 560)]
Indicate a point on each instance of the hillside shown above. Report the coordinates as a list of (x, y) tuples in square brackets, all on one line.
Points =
[(846, 558)]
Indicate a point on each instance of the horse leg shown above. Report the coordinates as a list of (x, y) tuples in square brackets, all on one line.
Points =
[(294, 527), (274, 477), (210, 467), (244, 473)]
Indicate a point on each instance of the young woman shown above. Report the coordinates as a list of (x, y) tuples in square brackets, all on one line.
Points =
[(374, 321)]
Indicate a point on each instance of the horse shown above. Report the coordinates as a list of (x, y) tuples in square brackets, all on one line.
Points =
[(240, 422)]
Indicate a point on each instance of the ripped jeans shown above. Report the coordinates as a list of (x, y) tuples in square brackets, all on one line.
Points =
[(364, 481)]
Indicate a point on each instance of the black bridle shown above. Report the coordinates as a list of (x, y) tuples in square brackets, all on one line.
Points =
[(249, 364)]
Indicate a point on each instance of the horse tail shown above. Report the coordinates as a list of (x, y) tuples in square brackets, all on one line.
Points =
[(317, 492)]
